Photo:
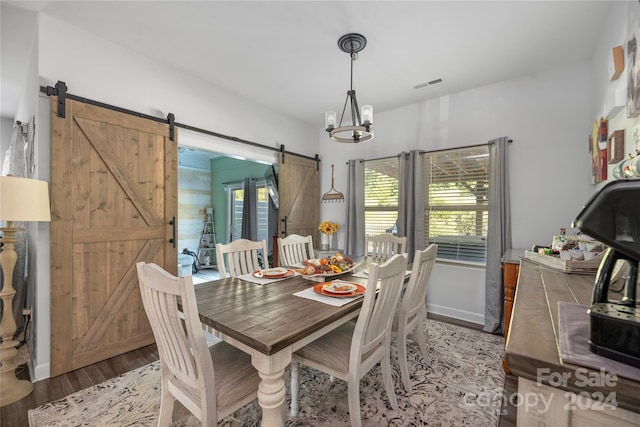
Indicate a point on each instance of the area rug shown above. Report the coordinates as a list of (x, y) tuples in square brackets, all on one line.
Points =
[(461, 385)]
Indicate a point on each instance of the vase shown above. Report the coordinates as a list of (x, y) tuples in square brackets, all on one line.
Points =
[(324, 241)]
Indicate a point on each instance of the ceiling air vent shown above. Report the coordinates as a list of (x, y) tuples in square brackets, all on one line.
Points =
[(429, 83)]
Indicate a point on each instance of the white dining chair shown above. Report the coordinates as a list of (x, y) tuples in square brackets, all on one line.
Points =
[(242, 257), (411, 314), (354, 348), (294, 249), (384, 246), (211, 382)]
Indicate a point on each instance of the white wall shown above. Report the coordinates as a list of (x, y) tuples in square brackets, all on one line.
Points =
[(546, 115)]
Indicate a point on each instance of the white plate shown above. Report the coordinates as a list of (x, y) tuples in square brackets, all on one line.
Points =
[(274, 272), (339, 287)]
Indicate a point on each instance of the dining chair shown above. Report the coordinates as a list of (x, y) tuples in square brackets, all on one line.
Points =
[(384, 246), (411, 313), (354, 348), (294, 249), (211, 382), (242, 257)]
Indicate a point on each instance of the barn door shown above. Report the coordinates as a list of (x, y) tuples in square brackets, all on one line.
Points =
[(113, 197), (299, 190)]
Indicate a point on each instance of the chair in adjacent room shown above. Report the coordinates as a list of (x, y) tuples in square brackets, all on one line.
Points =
[(211, 382), (384, 246), (294, 248), (354, 348), (242, 257), (411, 314)]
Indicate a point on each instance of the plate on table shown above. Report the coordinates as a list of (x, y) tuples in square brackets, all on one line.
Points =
[(355, 289), (274, 273)]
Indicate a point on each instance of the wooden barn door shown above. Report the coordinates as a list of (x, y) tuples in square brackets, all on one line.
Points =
[(113, 196), (299, 190)]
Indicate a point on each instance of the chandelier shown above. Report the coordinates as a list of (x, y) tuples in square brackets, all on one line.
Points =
[(361, 120)]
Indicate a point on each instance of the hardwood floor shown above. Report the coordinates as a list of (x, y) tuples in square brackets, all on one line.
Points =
[(15, 415)]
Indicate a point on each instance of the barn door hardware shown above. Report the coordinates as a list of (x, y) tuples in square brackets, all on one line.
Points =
[(173, 224), (171, 119), (317, 159), (282, 152), (61, 92), (284, 227)]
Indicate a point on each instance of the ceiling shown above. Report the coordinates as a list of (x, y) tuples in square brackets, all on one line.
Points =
[(284, 55)]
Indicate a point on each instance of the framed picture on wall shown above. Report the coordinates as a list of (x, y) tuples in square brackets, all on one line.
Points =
[(633, 61)]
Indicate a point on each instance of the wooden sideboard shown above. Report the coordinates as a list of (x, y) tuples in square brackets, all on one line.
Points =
[(533, 355), (510, 264)]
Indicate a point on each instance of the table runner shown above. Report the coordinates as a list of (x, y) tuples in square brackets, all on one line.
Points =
[(574, 327)]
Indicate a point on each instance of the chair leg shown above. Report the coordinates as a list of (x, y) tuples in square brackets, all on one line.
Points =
[(295, 385), (353, 392), (402, 360), (385, 365), (166, 406), (420, 336)]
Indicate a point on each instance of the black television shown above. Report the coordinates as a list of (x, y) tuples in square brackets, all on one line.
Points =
[(271, 178)]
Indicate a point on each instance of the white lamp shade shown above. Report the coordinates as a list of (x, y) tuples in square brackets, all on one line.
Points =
[(23, 199)]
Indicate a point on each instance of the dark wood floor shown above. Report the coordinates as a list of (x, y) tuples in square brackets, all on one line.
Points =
[(15, 415)]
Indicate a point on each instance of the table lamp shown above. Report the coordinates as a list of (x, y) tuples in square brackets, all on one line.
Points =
[(21, 199)]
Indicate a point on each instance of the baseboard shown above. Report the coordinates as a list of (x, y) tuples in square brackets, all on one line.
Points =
[(40, 372), (457, 317)]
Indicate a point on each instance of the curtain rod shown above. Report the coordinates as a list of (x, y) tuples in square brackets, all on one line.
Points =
[(60, 90), (435, 151)]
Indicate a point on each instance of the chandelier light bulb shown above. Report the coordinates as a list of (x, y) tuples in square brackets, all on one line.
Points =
[(330, 120), (367, 114)]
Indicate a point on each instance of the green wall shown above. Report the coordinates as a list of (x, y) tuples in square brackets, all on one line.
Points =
[(228, 170)]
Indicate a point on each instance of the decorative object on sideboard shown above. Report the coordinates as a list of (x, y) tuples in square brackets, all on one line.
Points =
[(361, 120), (332, 195), (327, 229), (21, 199)]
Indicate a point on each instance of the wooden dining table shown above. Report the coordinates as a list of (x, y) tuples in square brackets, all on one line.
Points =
[(270, 323)]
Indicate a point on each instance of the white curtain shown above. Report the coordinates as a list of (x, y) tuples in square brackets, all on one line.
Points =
[(498, 234), (355, 209), (411, 200)]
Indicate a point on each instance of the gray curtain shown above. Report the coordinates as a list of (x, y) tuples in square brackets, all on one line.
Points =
[(250, 210), (273, 224), (355, 209), (411, 201), (498, 234)]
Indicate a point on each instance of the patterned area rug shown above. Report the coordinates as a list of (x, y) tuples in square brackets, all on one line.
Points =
[(460, 386)]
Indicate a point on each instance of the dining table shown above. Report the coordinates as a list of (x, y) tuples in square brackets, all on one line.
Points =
[(270, 321)]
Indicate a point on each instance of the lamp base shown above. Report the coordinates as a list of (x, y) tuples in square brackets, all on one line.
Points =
[(15, 389)]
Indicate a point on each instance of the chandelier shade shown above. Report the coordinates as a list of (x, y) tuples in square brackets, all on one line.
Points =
[(361, 118)]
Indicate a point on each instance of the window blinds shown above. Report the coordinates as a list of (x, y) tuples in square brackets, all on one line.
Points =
[(456, 196)]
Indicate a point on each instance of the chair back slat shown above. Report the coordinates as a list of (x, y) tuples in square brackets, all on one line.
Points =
[(294, 248), (373, 327), (242, 257), (182, 346), (413, 299), (384, 246)]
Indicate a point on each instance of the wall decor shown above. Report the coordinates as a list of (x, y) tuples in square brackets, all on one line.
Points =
[(615, 146), (598, 151), (633, 61)]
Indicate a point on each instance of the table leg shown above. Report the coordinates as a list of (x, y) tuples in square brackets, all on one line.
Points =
[(272, 390)]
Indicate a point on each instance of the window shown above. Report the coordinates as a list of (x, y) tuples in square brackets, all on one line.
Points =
[(235, 202), (456, 202), (381, 196)]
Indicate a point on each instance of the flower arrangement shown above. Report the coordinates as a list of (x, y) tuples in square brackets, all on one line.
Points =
[(327, 227)]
